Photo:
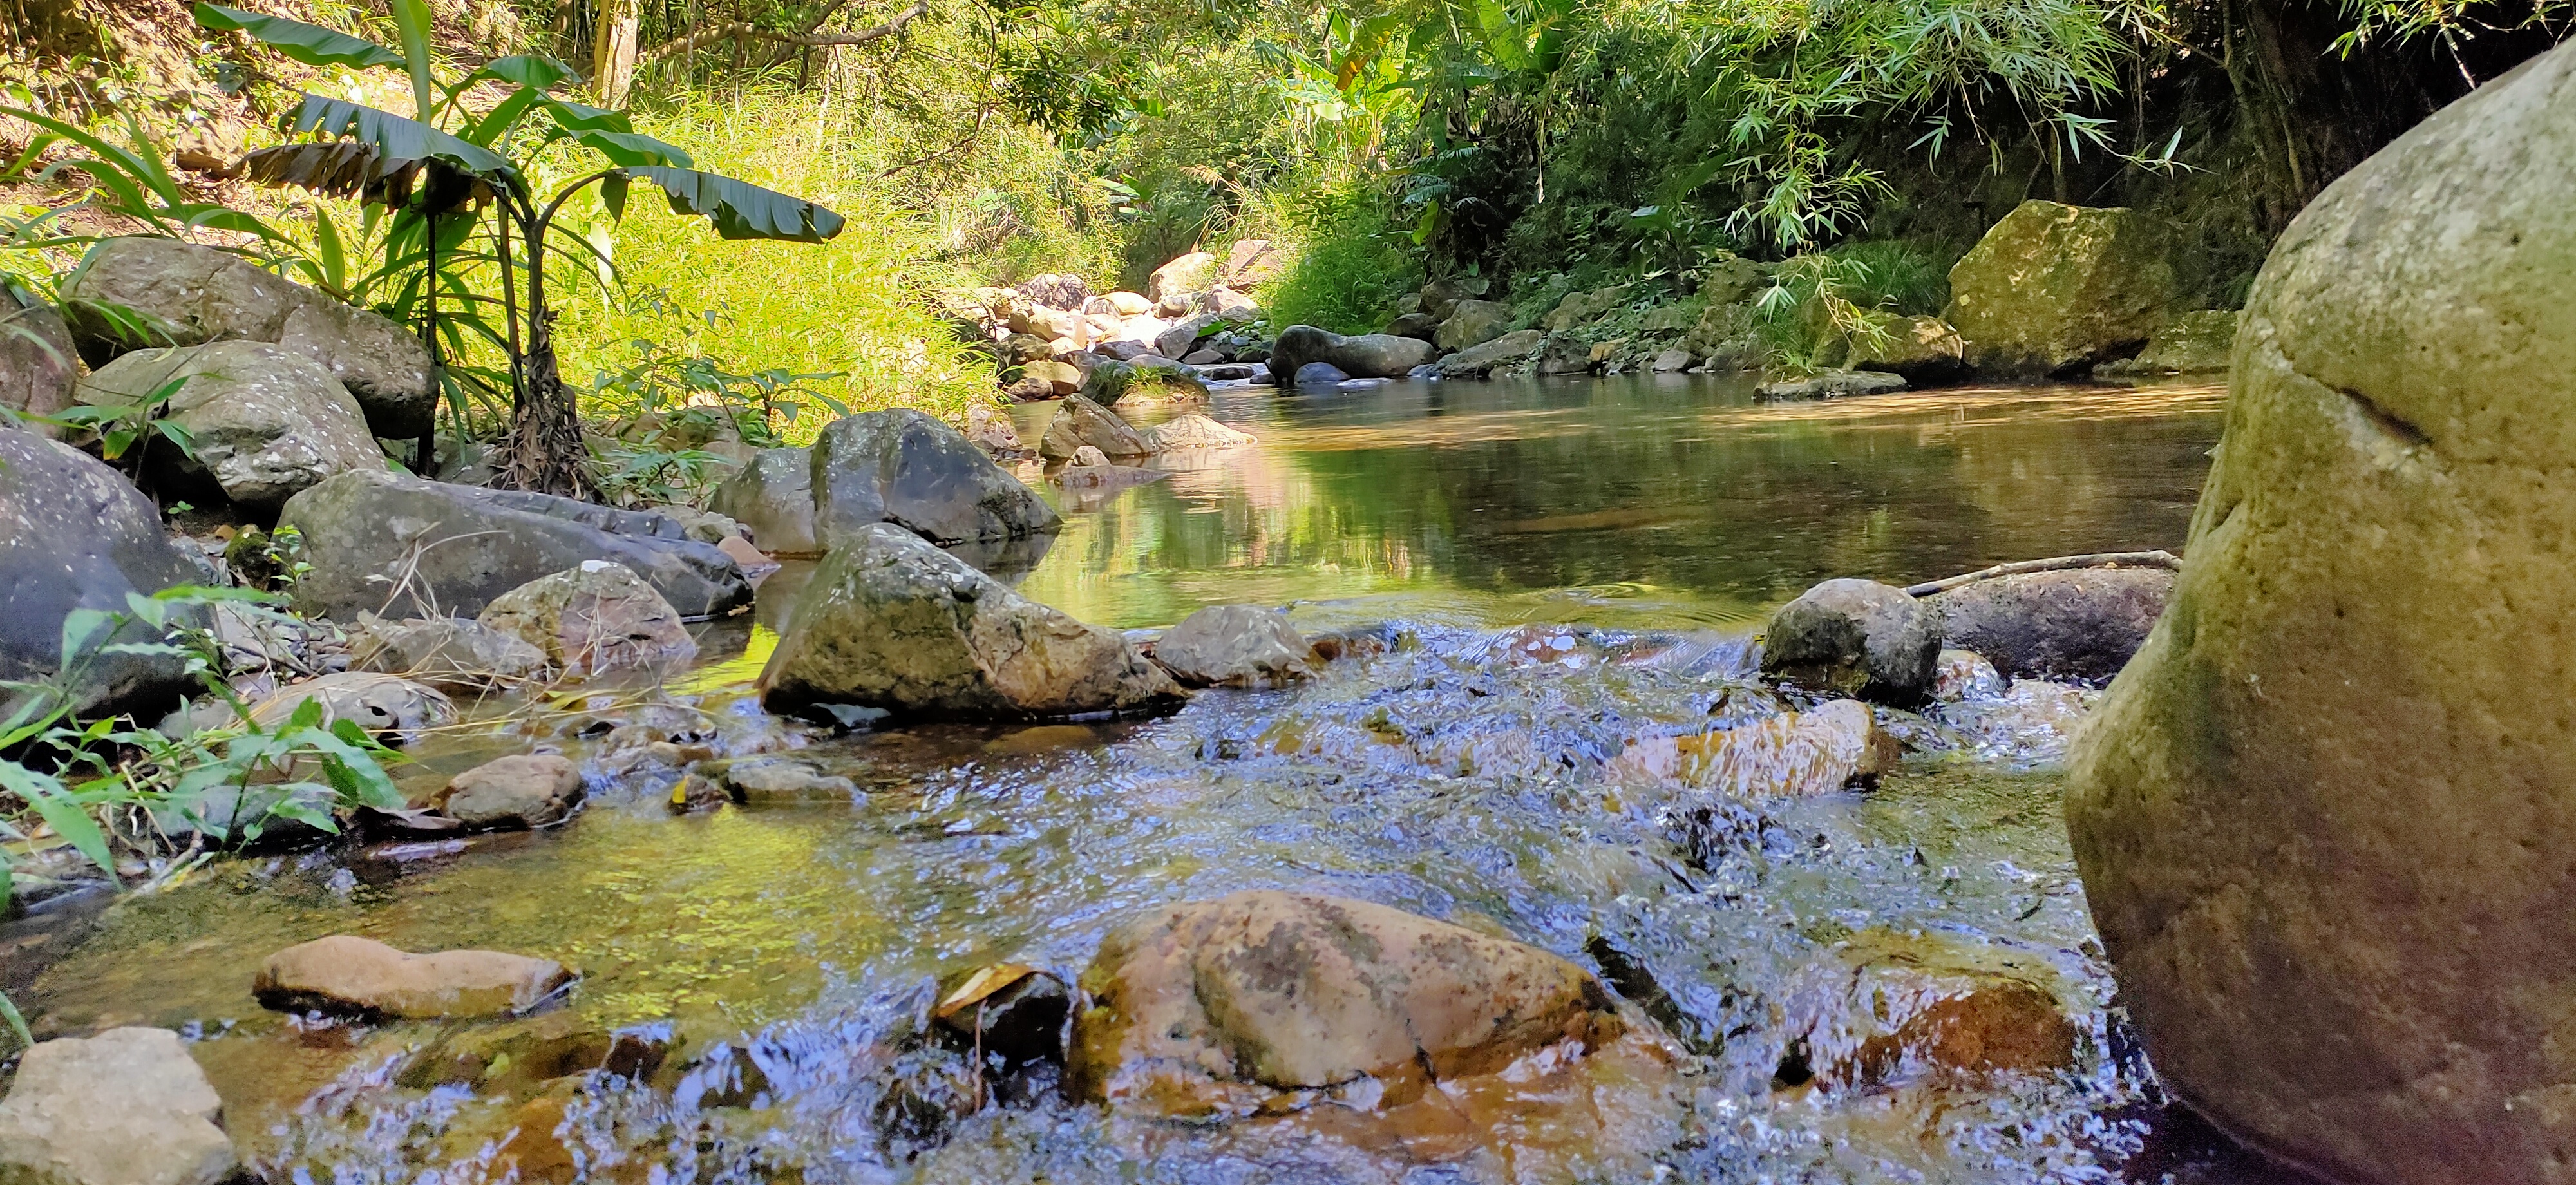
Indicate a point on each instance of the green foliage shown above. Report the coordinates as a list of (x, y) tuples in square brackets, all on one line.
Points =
[(1909, 279), (1352, 268)]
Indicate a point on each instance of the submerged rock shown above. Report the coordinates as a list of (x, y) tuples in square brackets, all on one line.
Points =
[(891, 622), (2078, 624), (1833, 384), (460, 546), (126, 1107), (1965, 674), (1213, 1007), (1079, 422), (347, 974), (2054, 288), (527, 791), (1241, 645), (1828, 748), (783, 779), (1511, 349), (1884, 1009), (1319, 374), (381, 704), (773, 498), (598, 616), (2323, 816), (265, 422), (1367, 355), (1855, 637), (74, 534), (450, 653), (904, 467)]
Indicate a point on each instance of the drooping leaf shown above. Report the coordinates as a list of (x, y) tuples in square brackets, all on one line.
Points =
[(381, 158), (629, 149), (536, 71), (394, 138), (312, 45), (740, 209), (582, 117), (612, 195)]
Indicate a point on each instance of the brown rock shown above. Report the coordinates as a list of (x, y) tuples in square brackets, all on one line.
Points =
[(1795, 753), (597, 617), (2080, 624), (1885, 1010), (1079, 421), (513, 792), (381, 704), (1241, 645), (345, 973), (1212, 1007)]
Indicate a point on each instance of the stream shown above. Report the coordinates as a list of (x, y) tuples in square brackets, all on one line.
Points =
[(1543, 572)]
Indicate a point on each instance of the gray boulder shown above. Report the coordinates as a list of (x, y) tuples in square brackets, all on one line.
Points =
[(266, 422), (1472, 323), (449, 653), (2081, 624), (1178, 340), (1367, 355), (143, 292), (595, 616), (521, 792), (381, 364), (891, 622), (1240, 645), (1858, 638), (37, 364), (126, 1107), (2326, 818), (905, 467), (1079, 422), (1833, 384), (383, 705), (773, 497), (74, 534), (1319, 374), (463, 546), (1511, 349)]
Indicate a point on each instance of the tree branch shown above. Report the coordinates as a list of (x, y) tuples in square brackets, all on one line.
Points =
[(2102, 559), (738, 29)]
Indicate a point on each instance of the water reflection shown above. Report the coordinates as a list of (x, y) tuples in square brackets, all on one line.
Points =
[(1671, 496)]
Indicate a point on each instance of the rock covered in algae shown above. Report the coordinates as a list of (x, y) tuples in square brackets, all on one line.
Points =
[(1213, 1007), (2326, 818)]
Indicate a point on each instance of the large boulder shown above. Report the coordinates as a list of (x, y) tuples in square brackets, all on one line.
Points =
[(264, 422), (2081, 624), (1214, 1007), (1079, 422), (126, 1107), (1367, 355), (1921, 349), (595, 616), (1855, 637), (905, 467), (1472, 323), (2053, 289), (381, 364), (74, 534), (143, 292), (1241, 645), (360, 976), (1477, 361), (1183, 277), (2193, 343), (889, 621), (773, 497), (37, 364), (2326, 818), (458, 547)]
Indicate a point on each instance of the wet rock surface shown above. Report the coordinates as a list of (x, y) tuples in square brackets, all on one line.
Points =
[(347, 974), (893, 623), (462, 547), (2079, 624), (1855, 637), (598, 616), (1193, 431), (1834, 384), (2303, 856), (1237, 645), (1885, 1009), (126, 1107), (1209, 1008), (75, 534), (1827, 748), (904, 467)]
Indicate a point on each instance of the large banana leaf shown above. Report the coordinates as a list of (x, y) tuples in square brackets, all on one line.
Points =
[(380, 157), (740, 209), (629, 149), (312, 45)]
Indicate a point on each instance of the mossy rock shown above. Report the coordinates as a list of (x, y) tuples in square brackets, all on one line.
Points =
[(2056, 288), (1110, 383)]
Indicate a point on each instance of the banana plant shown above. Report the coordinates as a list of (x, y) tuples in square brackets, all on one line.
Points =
[(448, 162)]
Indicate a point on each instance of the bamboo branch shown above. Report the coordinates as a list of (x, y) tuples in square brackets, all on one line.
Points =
[(706, 37), (2101, 559)]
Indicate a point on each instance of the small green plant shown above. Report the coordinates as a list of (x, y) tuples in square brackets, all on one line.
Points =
[(101, 782)]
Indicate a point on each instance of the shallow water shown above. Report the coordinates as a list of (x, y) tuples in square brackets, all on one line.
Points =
[(784, 954)]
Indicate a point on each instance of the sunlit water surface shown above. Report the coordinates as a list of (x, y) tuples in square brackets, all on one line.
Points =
[(784, 955)]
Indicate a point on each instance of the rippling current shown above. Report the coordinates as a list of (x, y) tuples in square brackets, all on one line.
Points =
[(1536, 577)]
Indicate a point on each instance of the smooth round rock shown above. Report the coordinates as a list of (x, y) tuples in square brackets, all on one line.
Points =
[(1855, 637)]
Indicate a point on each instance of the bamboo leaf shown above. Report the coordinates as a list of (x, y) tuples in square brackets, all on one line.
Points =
[(740, 209), (312, 45)]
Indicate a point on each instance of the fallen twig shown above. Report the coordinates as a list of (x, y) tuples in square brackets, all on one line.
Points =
[(2099, 559)]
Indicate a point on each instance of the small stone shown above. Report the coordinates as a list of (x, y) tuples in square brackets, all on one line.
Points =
[(1079, 422), (1965, 674), (513, 792), (126, 1107), (1087, 457), (1061, 378), (1855, 637), (347, 974), (596, 617), (1833, 384), (1672, 361), (781, 780), (1239, 645)]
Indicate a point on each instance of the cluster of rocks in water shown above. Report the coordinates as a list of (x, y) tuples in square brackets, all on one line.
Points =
[(2052, 290)]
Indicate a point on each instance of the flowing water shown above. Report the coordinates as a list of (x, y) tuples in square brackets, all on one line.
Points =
[(1546, 575)]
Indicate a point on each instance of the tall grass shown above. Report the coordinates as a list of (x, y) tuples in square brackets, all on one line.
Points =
[(1349, 264)]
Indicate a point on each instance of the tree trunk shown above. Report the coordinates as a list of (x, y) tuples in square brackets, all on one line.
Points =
[(612, 60), (546, 452)]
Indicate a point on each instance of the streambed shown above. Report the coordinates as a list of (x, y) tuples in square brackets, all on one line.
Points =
[(1554, 571)]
